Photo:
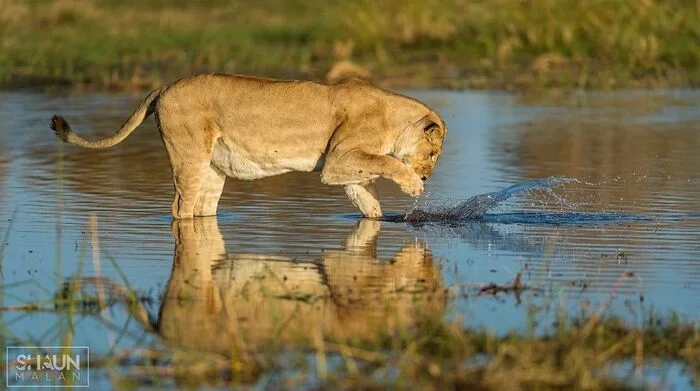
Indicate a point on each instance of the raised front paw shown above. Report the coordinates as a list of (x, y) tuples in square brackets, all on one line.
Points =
[(411, 184)]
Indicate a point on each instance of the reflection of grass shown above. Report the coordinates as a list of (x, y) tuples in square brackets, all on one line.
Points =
[(580, 354), (5, 241), (478, 43)]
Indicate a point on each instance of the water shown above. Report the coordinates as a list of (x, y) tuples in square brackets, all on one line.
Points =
[(589, 198), (476, 208)]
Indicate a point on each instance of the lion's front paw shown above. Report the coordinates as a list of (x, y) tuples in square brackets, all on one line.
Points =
[(412, 184)]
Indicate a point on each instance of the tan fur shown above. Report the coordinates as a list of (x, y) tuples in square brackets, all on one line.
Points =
[(224, 302), (217, 125)]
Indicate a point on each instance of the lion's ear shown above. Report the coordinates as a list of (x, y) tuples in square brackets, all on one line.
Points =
[(430, 127)]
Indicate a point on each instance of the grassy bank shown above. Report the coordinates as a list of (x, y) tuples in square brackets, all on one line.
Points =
[(134, 44)]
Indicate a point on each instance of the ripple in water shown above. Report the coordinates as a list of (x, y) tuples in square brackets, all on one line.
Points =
[(476, 208)]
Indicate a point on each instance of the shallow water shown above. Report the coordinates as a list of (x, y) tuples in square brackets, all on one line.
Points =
[(618, 221)]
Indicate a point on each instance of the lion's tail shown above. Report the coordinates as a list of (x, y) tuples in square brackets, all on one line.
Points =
[(146, 108)]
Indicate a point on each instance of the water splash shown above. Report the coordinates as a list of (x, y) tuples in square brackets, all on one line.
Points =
[(476, 207), (573, 218)]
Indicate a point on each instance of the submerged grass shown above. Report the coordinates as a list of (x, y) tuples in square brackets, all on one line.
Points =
[(454, 43), (589, 351), (584, 352)]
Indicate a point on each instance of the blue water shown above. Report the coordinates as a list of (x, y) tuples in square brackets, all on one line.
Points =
[(592, 201), (476, 208)]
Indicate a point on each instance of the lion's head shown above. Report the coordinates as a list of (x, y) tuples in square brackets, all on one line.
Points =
[(420, 144)]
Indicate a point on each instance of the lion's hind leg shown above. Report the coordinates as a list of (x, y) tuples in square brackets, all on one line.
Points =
[(188, 180), (189, 145), (210, 191)]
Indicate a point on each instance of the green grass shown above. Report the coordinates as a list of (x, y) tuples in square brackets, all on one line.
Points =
[(435, 353), (431, 353), (429, 43)]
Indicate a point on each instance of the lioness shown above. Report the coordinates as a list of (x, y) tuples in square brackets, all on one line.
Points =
[(217, 125)]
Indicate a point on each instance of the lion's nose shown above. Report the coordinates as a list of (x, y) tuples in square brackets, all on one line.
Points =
[(425, 178)]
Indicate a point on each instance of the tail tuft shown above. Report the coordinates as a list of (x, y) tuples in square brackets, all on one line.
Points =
[(60, 127)]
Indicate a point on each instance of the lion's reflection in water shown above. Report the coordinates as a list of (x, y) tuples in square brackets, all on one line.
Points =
[(223, 302)]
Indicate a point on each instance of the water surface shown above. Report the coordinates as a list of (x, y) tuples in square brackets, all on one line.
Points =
[(617, 220)]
